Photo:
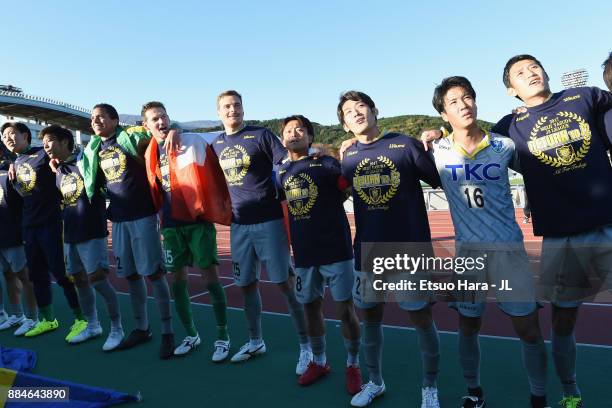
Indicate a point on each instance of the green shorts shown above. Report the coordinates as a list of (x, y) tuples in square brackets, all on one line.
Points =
[(190, 245)]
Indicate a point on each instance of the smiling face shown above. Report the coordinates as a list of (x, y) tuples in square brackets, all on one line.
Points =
[(358, 117), (157, 122), (459, 108), (229, 109), (14, 140), (102, 124), (527, 80)]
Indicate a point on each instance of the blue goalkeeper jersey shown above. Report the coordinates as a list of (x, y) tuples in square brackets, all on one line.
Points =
[(478, 190)]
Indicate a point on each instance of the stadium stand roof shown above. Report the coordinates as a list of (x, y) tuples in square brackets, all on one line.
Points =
[(18, 104)]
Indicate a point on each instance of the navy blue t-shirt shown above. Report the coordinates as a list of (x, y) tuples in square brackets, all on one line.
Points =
[(387, 195), (35, 182), (319, 228), (563, 158), (84, 220), (247, 158), (10, 213), (167, 220), (126, 183)]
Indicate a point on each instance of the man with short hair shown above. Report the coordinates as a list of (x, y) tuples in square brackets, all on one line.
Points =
[(186, 242), (567, 173), (115, 155), (607, 72), (13, 259), (247, 155), (42, 228), (385, 172), (85, 232), (321, 241), (566, 169), (473, 166)]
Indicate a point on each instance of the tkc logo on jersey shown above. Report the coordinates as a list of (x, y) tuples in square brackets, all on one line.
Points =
[(476, 171)]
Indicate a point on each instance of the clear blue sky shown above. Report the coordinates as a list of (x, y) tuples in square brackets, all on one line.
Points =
[(291, 57)]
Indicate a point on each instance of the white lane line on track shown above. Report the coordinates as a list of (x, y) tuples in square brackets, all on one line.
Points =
[(389, 326)]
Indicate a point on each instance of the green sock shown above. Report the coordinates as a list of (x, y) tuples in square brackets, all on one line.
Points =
[(219, 303), (183, 307), (78, 314), (47, 313)]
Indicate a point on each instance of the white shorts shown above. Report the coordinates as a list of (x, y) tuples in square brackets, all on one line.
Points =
[(137, 247), (255, 244), (366, 295), (310, 282), (576, 267), (12, 259), (509, 268), (88, 256)]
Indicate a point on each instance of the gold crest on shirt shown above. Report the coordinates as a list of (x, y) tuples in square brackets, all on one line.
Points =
[(376, 181), (26, 178), (301, 193), (71, 187), (561, 141), (113, 163), (235, 162)]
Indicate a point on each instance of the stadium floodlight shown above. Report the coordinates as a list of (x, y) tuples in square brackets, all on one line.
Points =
[(10, 88), (576, 78)]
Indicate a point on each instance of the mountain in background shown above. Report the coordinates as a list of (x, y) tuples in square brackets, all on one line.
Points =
[(333, 135), (191, 125), (199, 124), (329, 135)]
